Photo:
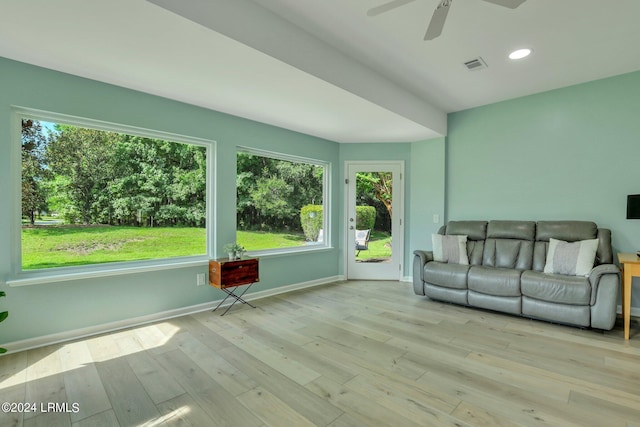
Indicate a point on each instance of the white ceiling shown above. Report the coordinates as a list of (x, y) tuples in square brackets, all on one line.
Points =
[(324, 67)]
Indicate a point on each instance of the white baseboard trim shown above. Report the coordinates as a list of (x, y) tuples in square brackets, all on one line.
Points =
[(635, 311), (407, 279), (60, 337)]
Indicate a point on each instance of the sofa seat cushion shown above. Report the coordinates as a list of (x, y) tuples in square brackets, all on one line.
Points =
[(495, 281), (556, 288), (446, 275), (511, 305), (579, 315)]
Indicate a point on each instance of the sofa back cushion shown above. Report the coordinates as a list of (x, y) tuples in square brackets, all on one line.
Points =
[(570, 231), (476, 232), (523, 244), (509, 244)]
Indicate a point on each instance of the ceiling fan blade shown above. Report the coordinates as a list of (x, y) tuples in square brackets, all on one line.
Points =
[(437, 20), (511, 4), (387, 7)]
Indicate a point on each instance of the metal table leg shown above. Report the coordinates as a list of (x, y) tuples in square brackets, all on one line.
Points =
[(236, 298)]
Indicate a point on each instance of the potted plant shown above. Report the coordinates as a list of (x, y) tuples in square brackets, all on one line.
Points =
[(234, 250), (3, 315)]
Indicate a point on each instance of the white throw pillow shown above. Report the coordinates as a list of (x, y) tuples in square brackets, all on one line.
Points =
[(450, 249), (572, 259)]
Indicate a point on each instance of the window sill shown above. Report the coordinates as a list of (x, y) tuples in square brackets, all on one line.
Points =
[(40, 277), (298, 250), (28, 278)]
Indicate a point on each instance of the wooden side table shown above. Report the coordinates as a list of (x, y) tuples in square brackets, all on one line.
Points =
[(227, 275), (630, 264)]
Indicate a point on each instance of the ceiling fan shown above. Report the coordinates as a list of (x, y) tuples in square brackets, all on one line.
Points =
[(439, 15)]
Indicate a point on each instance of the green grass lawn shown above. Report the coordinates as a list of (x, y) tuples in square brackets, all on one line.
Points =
[(258, 240), (379, 247), (63, 246)]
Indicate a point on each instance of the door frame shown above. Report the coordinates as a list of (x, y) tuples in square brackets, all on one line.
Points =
[(399, 208)]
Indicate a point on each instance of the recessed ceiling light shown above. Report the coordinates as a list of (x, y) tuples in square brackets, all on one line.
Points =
[(520, 53)]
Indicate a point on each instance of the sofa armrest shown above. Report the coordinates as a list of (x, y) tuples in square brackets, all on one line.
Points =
[(420, 259), (597, 273)]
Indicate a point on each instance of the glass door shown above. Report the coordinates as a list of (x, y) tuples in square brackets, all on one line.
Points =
[(375, 248)]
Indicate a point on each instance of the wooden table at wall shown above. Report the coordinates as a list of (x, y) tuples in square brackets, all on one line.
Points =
[(227, 275), (630, 264)]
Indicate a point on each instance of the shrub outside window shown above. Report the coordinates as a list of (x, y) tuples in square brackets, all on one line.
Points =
[(281, 201)]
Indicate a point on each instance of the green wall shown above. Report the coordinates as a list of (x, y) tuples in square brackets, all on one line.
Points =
[(571, 153), (427, 195), (50, 308)]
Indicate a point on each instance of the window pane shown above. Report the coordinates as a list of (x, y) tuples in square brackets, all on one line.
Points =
[(374, 198), (92, 196), (279, 202)]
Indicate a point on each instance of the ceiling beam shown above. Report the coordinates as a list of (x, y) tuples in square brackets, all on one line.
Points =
[(267, 32)]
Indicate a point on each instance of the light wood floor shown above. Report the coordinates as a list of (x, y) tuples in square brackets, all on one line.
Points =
[(349, 354)]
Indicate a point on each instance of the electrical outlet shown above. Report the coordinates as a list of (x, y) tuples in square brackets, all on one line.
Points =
[(436, 218), (200, 279)]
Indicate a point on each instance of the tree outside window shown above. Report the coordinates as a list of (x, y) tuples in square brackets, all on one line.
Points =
[(93, 196), (272, 191)]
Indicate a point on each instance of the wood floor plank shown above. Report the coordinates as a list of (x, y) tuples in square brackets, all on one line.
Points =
[(221, 406), (152, 338), (44, 380), (230, 378), (183, 411), (480, 417), (50, 419), (13, 370), (317, 410), (105, 347), (353, 343), (358, 405), (103, 419), (347, 420), (44, 390), (554, 381), (198, 330), (291, 368), (157, 382), (412, 403), (495, 406), (603, 411), (272, 410), (83, 384), (344, 323), (314, 361), (396, 368), (129, 399), (265, 318), (522, 406), (13, 377)]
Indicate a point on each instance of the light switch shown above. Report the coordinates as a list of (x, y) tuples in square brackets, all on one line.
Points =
[(436, 218)]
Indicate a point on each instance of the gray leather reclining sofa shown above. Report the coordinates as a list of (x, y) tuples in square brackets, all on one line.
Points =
[(506, 272)]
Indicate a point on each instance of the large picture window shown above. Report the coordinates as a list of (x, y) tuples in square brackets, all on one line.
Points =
[(281, 201), (95, 195)]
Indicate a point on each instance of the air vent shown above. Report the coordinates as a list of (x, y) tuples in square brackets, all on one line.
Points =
[(475, 64)]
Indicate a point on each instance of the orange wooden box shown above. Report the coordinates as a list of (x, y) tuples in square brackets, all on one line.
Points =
[(225, 273)]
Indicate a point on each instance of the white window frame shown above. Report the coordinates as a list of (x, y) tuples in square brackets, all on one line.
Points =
[(19, 277), (326, 200)]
